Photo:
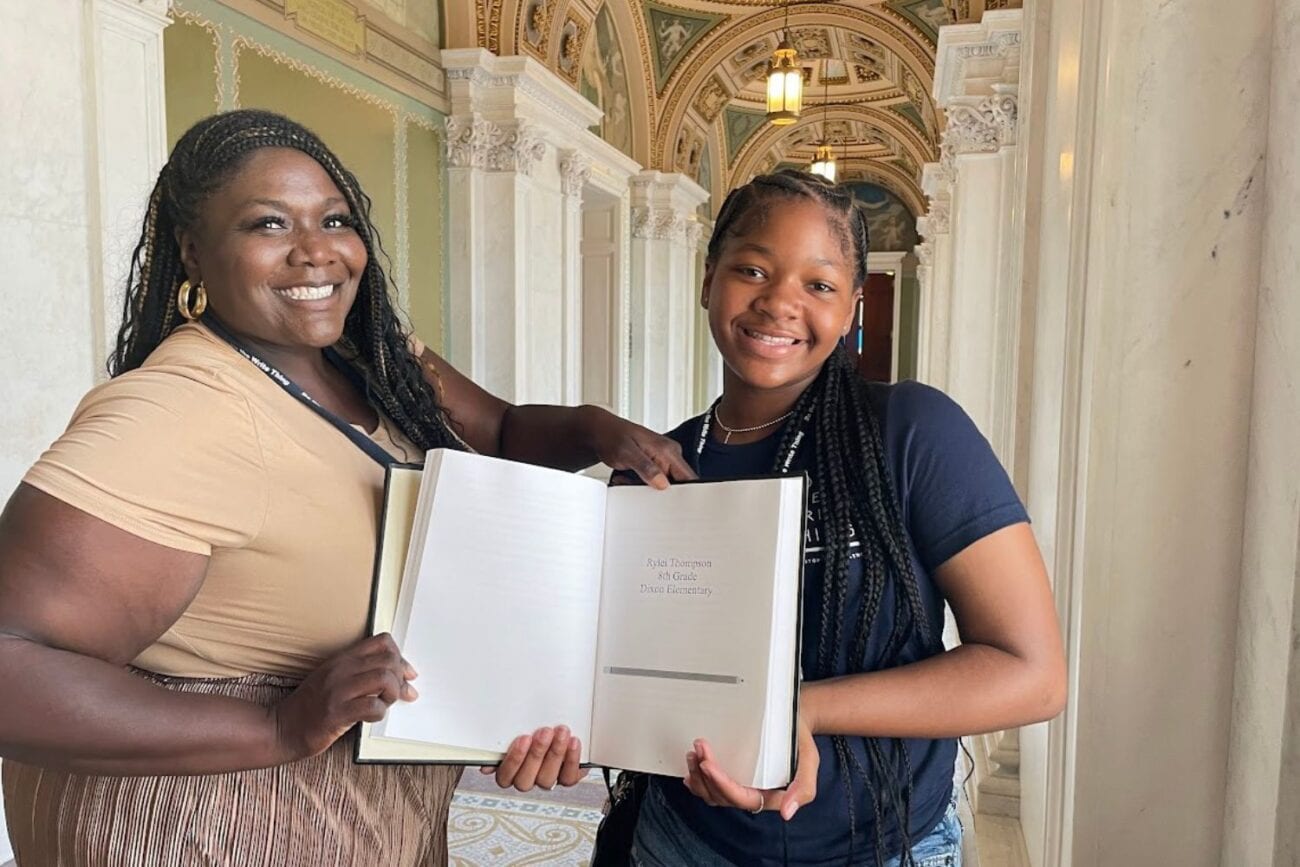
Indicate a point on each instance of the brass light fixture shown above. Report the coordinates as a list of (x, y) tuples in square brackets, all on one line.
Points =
[(784, 80), (824, 162)]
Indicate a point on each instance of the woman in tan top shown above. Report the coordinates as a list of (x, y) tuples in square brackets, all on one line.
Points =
[(184, 574)]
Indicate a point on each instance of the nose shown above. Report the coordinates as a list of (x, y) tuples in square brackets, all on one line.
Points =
[(312, 247), (780, 298)]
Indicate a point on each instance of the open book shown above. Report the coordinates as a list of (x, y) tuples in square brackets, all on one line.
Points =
[(642, 619)]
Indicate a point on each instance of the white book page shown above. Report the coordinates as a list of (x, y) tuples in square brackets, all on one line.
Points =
[(500, 622), (686, 619)]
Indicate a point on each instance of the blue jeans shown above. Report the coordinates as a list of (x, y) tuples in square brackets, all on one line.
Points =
[(663, 840)]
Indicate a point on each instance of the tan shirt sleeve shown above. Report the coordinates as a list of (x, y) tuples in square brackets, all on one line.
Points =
[(169, 454)]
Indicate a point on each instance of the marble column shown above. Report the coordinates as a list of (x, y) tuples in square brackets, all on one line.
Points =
[(975, 291), (935, 255), (519, 155), (1262, 820), (665, 291), (575, 170), (1151, 126)]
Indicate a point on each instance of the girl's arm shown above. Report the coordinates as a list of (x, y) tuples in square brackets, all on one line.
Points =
[(568, 438), (1009, 670)]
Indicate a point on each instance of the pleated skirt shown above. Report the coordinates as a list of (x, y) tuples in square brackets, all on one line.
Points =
[(321, 811)]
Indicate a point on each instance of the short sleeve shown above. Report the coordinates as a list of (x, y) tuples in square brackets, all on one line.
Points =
[(169, 454), (954, 490)]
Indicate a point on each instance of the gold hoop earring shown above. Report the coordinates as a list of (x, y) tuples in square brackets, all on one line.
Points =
[(200, 300)]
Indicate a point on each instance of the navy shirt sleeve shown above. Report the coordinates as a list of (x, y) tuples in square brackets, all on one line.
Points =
[(952, 488)]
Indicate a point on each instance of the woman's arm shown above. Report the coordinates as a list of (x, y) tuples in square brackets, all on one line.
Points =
[(80, 598), (1009, 670), (568, 438)]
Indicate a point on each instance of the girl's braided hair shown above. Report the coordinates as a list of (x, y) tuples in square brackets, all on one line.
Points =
[(858, 504)]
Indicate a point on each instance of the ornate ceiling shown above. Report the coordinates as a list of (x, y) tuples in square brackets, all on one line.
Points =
[(682, 81)]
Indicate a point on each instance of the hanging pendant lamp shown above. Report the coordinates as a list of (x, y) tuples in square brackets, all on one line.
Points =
[(824, 161), (784, 80)]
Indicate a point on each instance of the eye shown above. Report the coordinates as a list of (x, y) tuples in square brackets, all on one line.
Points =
[(267, 223), (339, 221), (822, 288), (750, 271)]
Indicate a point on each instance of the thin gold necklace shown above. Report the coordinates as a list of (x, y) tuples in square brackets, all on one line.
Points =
[(728, 431)]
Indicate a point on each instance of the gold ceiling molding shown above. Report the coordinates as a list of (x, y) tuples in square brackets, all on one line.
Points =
[(913, 50), (487, 23), (759, 146)]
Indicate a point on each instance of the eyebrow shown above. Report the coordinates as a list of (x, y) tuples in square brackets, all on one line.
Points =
[(276, 203), (766, 251)]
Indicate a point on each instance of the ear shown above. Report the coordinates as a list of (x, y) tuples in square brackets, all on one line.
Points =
[(706, 284), (189, 254)]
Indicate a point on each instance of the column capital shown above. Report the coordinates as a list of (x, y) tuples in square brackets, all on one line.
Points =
[(575, 169), (477, 143), (663, 206), (980, 125)]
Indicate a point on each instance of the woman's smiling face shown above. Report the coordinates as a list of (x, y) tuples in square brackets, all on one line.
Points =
[(277, 252)]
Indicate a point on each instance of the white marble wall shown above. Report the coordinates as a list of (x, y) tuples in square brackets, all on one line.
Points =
[(1262, 821), (1146, 268), (82, 138)]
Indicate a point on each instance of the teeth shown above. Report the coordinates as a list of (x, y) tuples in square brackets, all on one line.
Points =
[(307, 293), (770, 340)]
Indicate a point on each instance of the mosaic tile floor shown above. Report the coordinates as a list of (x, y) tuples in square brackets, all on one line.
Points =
[(504, 828)]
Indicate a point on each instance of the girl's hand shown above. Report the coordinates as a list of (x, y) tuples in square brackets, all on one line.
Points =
[(624, 445), (357, 685), (706, 780), (542, 759)]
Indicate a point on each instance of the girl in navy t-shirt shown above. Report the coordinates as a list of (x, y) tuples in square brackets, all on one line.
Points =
[(909, 509)]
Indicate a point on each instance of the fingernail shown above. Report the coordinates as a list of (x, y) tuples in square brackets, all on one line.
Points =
[(411, 693), (789, 811), (575, 745)]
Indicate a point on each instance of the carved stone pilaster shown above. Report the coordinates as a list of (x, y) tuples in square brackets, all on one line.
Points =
[(477, 143), (980, 125), (694, 233), (657, 224), (516, 149), (575, 169), (469, 139)]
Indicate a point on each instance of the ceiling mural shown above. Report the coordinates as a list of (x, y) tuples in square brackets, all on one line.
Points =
[(891, 226), (674, 32), (603, 80), (682, 79)]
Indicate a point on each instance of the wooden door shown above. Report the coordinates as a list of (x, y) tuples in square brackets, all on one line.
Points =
[(873, 329)]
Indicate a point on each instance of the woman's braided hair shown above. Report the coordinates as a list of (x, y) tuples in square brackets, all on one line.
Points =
[(373, 334), (858, 504)]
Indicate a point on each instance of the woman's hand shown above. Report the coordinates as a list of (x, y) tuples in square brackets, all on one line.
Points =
[(543, 759), (624, 445), (707, 780), (357, 685)]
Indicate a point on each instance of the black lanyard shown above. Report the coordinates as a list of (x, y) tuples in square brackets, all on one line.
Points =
[(359, 438)]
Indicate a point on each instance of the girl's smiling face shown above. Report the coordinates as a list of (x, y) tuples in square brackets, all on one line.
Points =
[(780, 295)]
